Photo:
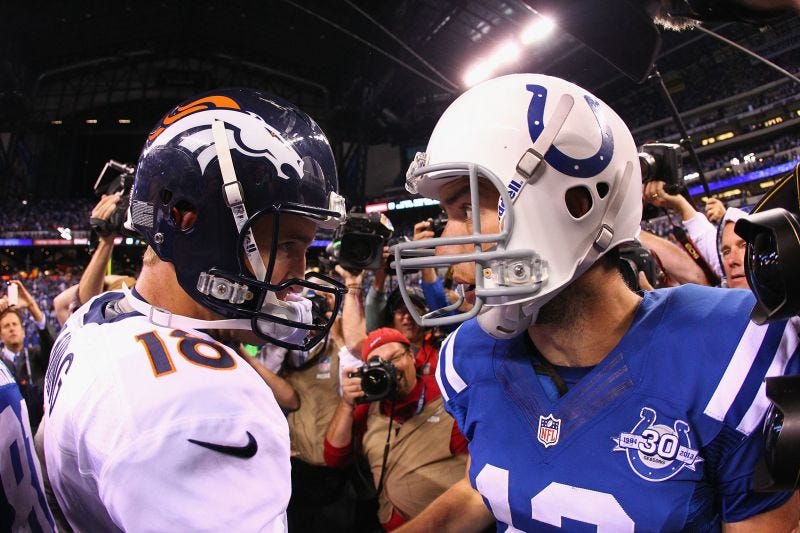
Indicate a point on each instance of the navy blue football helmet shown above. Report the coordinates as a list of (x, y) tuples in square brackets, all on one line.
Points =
[(232, 156)]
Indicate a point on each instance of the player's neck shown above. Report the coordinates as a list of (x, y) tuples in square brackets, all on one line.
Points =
[(158, 285), (590, 318)]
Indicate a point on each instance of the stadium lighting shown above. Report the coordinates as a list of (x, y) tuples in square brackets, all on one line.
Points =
[(56, 122), (478, 72), (537, 30), (91, 121), (506, 53), (123, 121)]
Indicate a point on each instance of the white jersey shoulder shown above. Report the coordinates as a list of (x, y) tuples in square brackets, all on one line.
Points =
[(153, 428)]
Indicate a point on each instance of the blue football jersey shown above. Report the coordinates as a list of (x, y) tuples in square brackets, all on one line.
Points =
[(662, 435), (22, 501)]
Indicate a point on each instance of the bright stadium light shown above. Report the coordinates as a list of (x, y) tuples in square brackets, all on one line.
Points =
[(477, 72), (507, 52), (537, 30)]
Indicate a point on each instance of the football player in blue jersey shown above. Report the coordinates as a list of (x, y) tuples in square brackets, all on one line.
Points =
[(22, 499), (584, 404)]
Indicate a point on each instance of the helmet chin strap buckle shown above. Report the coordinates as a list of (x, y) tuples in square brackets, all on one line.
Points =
[(223, 289), (604, 238)]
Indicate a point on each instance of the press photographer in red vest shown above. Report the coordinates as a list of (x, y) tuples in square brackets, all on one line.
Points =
[(413, 447)]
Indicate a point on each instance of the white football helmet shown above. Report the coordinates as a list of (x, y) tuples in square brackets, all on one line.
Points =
[(533, 137)]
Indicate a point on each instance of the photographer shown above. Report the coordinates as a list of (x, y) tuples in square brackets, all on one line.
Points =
[(27, 363), (728, 259), (390, 312), (91, 283), (428, 453), (94, 279)]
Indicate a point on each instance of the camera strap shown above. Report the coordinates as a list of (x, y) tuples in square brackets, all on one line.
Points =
[(688, 245), (387, 446)]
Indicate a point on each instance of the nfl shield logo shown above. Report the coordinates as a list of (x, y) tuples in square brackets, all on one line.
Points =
[(549, 430)]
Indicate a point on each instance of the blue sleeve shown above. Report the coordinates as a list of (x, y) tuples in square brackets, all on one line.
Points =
[(27, 507), (740, 449), (737, 500), (435, 298)]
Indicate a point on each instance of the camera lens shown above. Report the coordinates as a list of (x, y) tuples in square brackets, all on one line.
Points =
[(360, 251), (765, 270), (375, 382)]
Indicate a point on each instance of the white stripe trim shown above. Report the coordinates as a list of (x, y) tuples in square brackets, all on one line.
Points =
[(453, 379), (738, 368), (5, 375), (438, 375), (755, 413)]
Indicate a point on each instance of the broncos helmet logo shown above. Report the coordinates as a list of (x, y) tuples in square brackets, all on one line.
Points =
[(190, 127)]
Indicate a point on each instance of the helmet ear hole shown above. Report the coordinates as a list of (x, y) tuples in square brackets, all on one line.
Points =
[(184, 215), (166, 196), (578, 200), (602, 189)]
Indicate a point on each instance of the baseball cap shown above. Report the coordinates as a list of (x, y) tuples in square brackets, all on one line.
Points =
[(379, 337)]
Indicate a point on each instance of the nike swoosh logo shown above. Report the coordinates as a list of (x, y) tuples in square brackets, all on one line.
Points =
[(245, 452)]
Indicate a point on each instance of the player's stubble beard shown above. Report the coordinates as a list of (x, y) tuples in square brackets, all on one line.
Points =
[(567, 309)]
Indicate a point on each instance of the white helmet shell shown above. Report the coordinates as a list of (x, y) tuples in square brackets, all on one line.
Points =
[(534, 137)]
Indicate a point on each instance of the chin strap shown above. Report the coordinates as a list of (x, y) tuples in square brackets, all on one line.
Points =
[(234, 197), (295, 308), (508, 321)]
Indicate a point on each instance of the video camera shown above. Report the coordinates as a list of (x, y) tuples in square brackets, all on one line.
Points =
[(115, 178), (378, 379), (662, 162), (358, 243), (772, 262)]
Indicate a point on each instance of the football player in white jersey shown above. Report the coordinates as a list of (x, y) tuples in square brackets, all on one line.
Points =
[(152, 423), (584, 404)]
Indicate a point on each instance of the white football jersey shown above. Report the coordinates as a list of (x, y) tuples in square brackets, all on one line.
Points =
[(155, 429)]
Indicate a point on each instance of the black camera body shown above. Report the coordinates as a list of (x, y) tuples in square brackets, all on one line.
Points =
[(438, 224), (634, 258), (361, 240), (378, 379), (115, 178), (662, 162)]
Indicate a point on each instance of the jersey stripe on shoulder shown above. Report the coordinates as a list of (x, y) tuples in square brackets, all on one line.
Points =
[(450, 383), (787, 351), (6, 377), (736, 372)]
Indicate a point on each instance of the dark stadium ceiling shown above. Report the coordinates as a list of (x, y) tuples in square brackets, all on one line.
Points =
[(369, 71)]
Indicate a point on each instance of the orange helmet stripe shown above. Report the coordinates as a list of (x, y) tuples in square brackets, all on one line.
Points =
[(209, 102)]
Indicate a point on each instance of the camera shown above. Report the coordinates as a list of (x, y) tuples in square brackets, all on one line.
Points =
[(438, 224), (633, 258), (358, 243), (662, 162), (772, 260), (378, 379), (115, 178)]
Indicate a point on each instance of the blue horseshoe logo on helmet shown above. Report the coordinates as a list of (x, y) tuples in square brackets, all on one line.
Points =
[(577, 168)]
